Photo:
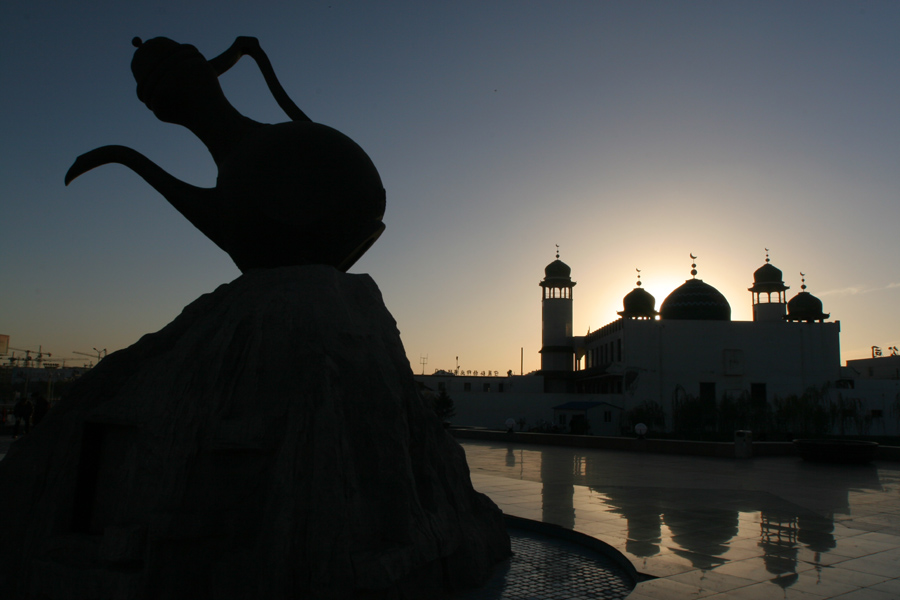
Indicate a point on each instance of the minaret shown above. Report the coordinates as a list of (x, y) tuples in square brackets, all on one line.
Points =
[(557, 351), (767, 281)]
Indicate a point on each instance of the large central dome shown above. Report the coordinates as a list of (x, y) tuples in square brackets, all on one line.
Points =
[(695, 300)]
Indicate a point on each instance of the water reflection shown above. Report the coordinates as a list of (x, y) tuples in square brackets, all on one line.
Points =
[(644, 535), (702, 527), (703, 547), (558, 497), (708, 527)]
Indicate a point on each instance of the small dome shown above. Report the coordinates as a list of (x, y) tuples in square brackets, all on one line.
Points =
[(556, 275), (768, 273), (805, 307), (639, 303), (768, 278), (557, 270), (695, 300)]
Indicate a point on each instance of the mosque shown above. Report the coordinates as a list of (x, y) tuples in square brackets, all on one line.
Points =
[(687, 348), (690, 345)]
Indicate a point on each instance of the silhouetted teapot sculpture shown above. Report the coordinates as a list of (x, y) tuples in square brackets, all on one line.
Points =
[(292, 193)]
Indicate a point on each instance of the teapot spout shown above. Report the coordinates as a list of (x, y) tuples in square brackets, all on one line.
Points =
[(191, 201)]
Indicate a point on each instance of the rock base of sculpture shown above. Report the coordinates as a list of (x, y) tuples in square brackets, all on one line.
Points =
[(268, 443)]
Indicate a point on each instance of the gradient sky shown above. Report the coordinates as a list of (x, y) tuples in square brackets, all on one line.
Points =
[(630, 133)]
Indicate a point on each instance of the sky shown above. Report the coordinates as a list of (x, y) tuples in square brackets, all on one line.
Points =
[(631, 134)]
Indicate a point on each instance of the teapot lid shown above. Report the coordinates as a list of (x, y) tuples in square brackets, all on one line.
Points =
[(155, 57)]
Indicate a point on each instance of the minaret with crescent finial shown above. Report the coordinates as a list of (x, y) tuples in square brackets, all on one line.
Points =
[(557, 346), (769, 302)]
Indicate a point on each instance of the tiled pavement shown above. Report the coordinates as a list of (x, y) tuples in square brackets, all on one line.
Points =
[(712, 528), (548, 568)]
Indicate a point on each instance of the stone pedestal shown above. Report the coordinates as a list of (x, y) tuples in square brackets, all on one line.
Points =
[(268, 443)]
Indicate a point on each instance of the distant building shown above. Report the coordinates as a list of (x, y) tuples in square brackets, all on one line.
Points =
[(877, 367)]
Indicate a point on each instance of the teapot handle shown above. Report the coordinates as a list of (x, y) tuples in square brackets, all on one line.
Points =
[(249, 46)]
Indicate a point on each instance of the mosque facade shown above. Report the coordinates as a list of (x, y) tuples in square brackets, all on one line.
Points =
[(691, 346)]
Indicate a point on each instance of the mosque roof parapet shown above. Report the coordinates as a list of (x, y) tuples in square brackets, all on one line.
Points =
[(607, 329)]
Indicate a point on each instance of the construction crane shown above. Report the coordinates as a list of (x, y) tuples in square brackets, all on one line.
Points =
[(28, 360), (99, 354)]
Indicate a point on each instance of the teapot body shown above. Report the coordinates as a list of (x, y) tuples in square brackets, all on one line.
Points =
[(298, 193)]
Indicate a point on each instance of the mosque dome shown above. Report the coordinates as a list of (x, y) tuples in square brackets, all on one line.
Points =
[(695, 300), (805, 307), (638, 303), (768, 274), (557, 275), (768, 278), (557, 270)]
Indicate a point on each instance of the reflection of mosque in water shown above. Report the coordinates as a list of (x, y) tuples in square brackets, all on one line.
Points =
[(699, 524), (702, 524)]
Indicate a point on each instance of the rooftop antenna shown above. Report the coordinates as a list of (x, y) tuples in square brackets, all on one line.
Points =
[(424, 361)]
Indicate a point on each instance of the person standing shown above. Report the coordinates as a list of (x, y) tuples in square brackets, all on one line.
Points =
[(18, 410), (27, 411)]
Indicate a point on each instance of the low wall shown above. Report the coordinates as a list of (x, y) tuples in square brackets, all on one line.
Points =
[(683, 447)]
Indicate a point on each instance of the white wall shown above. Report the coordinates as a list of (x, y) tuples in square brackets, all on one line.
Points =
[(787, 357)]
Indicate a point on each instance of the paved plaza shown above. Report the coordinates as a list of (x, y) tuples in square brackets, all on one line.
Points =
[(759, 528), (715, 528)]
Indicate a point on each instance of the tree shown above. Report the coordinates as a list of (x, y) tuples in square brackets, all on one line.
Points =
[(443, 406)]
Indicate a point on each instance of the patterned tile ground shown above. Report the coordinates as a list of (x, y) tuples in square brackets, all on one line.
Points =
[(545, 568)]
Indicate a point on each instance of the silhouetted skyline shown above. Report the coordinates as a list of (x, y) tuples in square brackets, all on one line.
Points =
[(631, 134)]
